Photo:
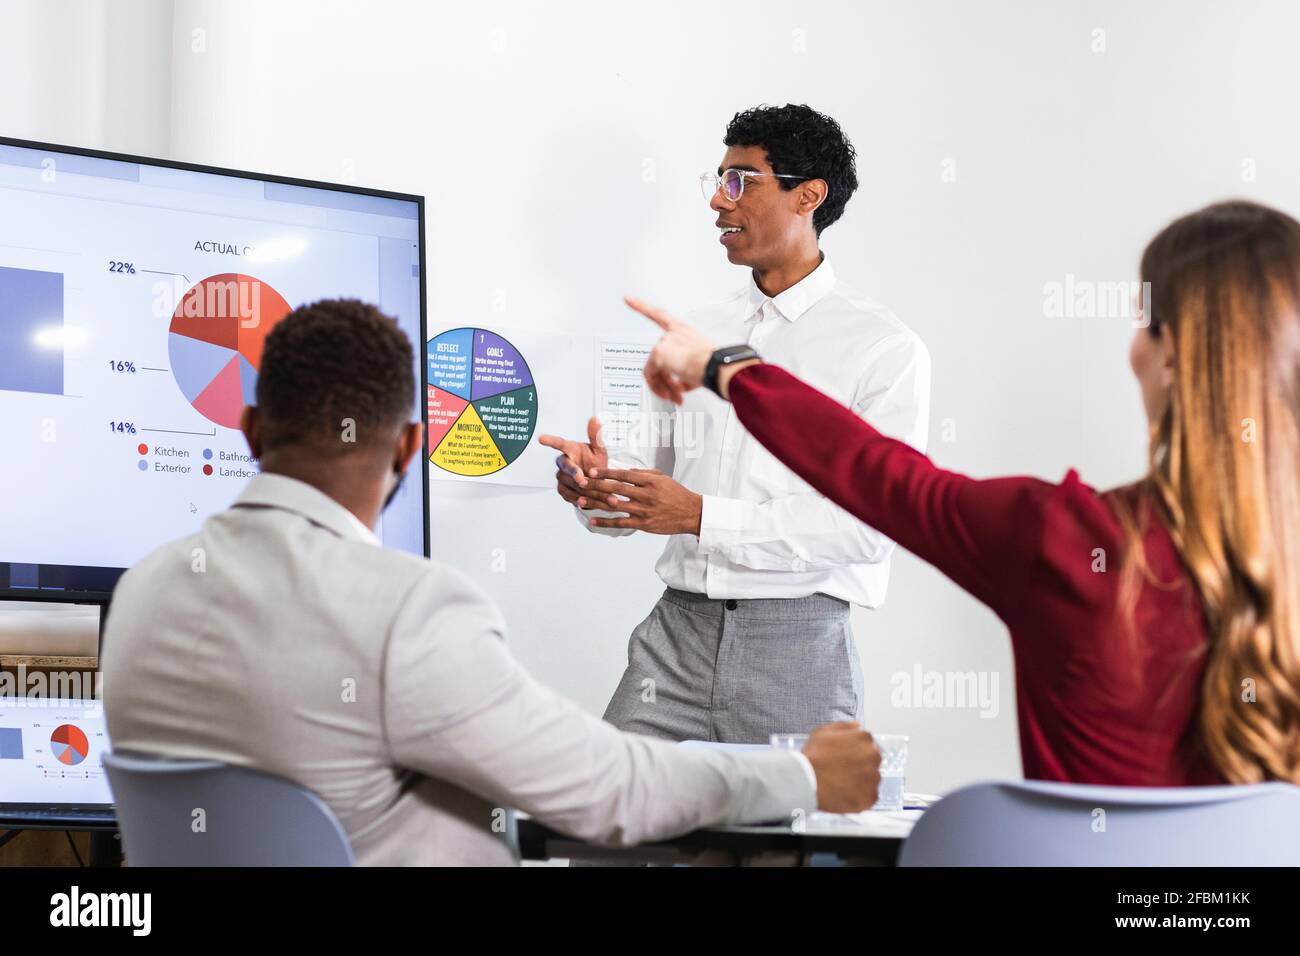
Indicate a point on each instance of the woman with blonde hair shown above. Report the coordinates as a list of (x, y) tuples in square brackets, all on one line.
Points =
[(1180, 662)]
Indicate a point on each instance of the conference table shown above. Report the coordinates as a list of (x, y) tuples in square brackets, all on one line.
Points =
[(865, 839), (872, 838)]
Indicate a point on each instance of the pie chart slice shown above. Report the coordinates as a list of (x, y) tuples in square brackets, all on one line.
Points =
[(509, 419), (267, 308), (444, 408), (195, 363), (215, 342), (468, 449), (223, 399), (498, 366), (451, 360), (248, 380), (69, 745), (478, 437)]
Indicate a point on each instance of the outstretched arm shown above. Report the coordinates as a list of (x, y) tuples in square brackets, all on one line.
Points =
[(974, 531), (982, 534), (458, 707)]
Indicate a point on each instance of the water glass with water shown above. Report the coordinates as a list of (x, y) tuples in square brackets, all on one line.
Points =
[(893, 764)]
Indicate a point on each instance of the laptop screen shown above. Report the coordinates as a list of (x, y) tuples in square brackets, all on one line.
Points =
[(51, 751)]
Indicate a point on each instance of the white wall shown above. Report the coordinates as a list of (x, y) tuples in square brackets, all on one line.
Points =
[(72, 73), (531, 128), (86, 72)]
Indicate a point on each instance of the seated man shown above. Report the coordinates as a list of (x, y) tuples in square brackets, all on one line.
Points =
[(282, 637)]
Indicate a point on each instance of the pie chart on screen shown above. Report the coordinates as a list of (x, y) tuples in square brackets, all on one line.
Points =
[(69, 745), (215, 342)]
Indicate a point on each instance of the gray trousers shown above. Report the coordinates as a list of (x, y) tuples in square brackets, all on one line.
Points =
[(738, 671)]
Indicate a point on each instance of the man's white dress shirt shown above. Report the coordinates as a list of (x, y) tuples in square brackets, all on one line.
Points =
[(764, 532)]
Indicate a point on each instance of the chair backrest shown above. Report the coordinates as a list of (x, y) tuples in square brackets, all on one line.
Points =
[(1061, 824), (207, 813)]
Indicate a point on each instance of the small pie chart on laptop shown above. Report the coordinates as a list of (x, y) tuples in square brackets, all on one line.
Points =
[(69, 745)]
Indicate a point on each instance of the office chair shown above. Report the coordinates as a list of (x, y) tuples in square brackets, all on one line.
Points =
[(207, 813), (1063, 824)]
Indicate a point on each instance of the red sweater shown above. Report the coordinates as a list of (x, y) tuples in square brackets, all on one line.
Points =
[(1097, 702)]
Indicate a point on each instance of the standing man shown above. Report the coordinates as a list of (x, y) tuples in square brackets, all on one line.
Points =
[(752, 635)]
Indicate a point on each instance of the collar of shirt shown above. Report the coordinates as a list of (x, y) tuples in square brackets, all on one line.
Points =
[(290, 494), (796, 300)]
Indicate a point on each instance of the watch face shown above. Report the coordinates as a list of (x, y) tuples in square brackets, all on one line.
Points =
[(736, 351), (725, 356)]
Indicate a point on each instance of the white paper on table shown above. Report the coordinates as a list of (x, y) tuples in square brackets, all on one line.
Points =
[(869, 823)]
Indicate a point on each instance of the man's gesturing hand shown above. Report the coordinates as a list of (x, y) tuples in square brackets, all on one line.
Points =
[(652, 500), (678, 362), (847, 763), (575, 460)]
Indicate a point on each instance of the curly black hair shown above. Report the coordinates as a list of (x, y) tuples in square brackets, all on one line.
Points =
[(331, 361), (802, 142)]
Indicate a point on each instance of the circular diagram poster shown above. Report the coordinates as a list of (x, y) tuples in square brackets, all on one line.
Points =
[(482, 402)]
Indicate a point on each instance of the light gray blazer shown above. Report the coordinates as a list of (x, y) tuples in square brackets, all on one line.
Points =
[(281, 637)]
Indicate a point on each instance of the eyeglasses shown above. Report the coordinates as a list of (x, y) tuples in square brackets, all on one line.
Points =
[(732, 182)]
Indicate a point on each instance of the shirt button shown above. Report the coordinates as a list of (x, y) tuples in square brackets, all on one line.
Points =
[(731, 605)]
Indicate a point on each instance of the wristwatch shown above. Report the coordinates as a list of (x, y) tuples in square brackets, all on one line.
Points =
[(729, 355)]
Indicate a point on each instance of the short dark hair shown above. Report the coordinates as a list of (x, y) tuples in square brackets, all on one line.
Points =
[(800, 141), (331, 361)]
